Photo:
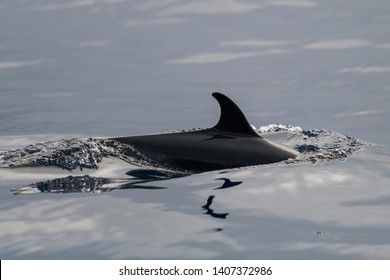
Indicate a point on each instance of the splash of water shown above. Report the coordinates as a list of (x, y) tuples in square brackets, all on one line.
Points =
[(314, 145)]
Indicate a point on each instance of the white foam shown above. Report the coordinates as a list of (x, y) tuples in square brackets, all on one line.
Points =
[(279, 127)]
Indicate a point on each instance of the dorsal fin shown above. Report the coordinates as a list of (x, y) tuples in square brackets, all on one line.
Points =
[(232, 119)]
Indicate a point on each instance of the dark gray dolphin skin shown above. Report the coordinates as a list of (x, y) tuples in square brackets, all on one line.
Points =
[(229, 144)]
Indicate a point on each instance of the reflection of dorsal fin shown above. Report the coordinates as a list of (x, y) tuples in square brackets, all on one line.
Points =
[(232, 119)]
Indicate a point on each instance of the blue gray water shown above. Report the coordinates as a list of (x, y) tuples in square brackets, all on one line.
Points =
[(103, 68)]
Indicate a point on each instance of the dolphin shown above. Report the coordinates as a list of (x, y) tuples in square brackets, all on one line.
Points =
[(231, 143)]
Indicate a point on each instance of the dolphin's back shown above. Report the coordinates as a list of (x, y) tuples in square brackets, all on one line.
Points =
[(231, 143), (207, 150)]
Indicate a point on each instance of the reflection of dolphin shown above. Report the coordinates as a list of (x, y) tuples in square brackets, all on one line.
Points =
[(211, 211), (228, 184), (85, 184), (231, 143)]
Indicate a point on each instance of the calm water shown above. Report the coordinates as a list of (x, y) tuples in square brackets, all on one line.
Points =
[(89, 68)]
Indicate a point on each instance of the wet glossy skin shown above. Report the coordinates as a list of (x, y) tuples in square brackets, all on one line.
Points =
[(231, 143)]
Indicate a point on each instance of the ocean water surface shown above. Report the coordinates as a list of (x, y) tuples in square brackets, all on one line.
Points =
[(75, 72)]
